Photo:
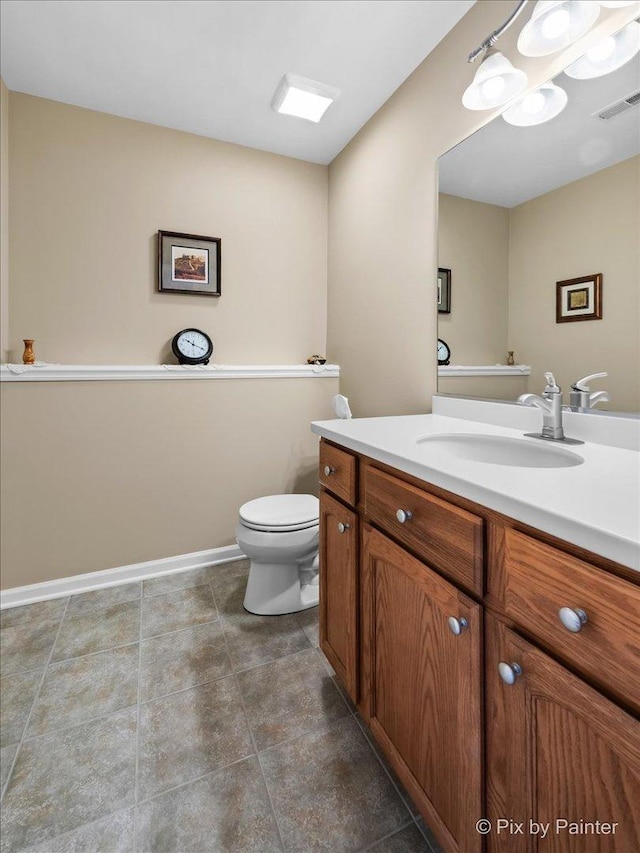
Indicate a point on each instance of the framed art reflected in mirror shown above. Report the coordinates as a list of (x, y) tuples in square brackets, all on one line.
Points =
[(444, 291), (579, 299)]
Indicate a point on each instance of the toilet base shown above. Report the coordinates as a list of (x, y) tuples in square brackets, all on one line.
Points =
[(274, 590)]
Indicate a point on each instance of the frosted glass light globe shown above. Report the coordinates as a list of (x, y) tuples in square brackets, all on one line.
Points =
[(603, 50), (556, 24), (534, 103), (493, 88)]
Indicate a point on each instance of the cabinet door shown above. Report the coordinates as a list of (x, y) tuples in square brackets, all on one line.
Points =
[(423, 697), (339, 590), (557, 750)]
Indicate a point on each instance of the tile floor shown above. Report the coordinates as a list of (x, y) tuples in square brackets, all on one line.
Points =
[(160, 716)]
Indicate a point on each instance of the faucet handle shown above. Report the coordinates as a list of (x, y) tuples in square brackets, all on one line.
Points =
[(552, 386), (581, 384)]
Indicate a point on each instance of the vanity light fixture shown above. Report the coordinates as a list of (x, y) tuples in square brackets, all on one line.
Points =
[(538, 107), (555, 24), (607, 55), (303, 98), (495, 83), (617, 4)]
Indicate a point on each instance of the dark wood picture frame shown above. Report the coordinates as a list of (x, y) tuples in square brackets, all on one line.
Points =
[(444, 291), (177, 274), (587, 300)]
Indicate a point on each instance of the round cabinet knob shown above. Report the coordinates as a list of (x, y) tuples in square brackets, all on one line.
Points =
[(509, 671), (403, 515), (342, 527), (457, 626), (328, 471), (572, 619)]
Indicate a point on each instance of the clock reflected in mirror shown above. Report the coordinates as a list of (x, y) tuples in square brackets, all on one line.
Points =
[(192, 346), (444, 353)]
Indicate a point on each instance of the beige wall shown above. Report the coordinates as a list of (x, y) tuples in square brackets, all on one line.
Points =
[(382, 326), (588, 226), (103, 474), (98, 475), (89, 193), (4, 221), (473, 241)]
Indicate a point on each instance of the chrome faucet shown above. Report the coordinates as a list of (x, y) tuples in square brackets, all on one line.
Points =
[(581, 397), (551, 404)]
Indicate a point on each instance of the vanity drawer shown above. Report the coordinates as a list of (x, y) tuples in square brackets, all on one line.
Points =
[(338, 472), (445, 536), (541, 580)]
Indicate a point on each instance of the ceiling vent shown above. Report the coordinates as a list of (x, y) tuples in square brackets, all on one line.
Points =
[(618, 107)]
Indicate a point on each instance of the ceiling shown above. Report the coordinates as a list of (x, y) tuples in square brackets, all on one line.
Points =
[(506, 165), (211, 68)]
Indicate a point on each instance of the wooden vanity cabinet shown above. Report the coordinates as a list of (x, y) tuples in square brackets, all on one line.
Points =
[(561, 742), (557, 750), (423, 699)]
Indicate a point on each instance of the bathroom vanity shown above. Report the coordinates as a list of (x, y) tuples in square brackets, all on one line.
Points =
[(495, 660)]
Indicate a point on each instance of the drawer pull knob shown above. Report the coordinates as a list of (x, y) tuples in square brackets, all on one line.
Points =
[(572, 619), (342, 527), (403, 515), (328, 470), (509, 671), (457, 626)]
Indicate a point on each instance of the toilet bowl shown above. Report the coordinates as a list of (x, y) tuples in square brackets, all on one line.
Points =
[(279, 534)]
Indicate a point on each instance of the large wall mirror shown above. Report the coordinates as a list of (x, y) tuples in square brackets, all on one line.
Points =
[(523, 208)]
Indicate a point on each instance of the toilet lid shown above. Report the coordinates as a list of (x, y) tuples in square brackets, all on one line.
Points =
[(281, 513)]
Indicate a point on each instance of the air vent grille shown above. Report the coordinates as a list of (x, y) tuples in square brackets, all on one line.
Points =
[(618, 107)]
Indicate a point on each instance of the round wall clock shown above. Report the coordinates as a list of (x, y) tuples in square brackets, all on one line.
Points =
[(444, 353), (191, 346)]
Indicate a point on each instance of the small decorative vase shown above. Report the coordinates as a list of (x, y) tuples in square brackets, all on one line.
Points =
[(510, 359), (28, 356)]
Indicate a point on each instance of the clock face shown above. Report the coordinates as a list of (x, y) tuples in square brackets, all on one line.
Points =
[(191, 346), (444, 353)]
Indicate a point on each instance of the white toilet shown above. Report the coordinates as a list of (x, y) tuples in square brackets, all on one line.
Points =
[(279, 534)]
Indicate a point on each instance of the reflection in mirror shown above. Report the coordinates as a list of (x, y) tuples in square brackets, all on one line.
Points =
[(525, 208)]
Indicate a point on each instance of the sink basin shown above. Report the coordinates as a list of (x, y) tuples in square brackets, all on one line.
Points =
[(499, 450)]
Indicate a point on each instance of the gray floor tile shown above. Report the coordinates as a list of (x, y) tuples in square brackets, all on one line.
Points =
[(408, 840), (27, 645), (100, 599), (83, 633), (308, 620), (288, 697), (431, 840), (65, 780), (178, 580), (90, 686), (254, 640), (113, 834), (17, 693), (330, 792), (174, 610), (191, 733), (7, 754), (229, 582), (30, 613), (228, 811), (183, 659)]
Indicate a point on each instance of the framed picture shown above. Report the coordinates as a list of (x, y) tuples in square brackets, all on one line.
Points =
[(444, 291), (579, 299), (189, 263)]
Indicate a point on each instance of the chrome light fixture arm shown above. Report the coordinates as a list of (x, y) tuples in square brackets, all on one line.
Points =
[(491, 39)]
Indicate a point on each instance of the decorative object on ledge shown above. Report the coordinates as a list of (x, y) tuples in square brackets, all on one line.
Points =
[(484, 370), (316, 359), (191, 346), (126, 372), (28, 356), (579, 299), (189, 263), (444, 291), (444, 353), (510, 359)]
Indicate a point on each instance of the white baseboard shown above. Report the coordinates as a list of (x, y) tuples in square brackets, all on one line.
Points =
[(115, 577)]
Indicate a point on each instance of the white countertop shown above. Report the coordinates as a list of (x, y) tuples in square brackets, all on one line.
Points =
[(595, 505)]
